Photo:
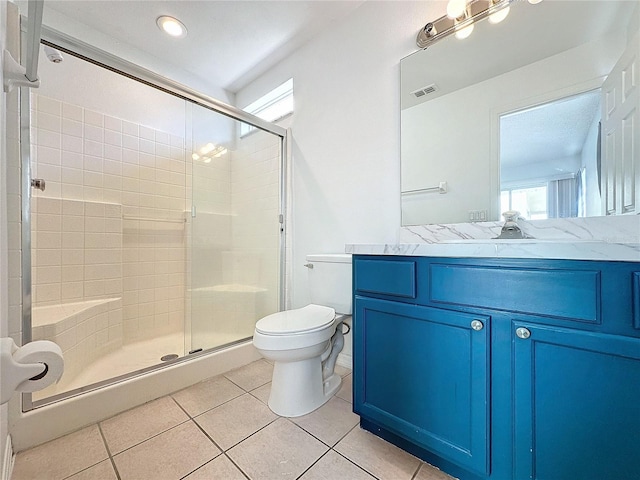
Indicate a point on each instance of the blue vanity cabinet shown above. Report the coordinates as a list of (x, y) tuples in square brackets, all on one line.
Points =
[(423, 373), (576, 404), (501, 369)]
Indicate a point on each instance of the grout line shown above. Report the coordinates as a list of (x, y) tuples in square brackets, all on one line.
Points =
[(249, 436), (153, 436), (311, 466), (113, 463), (208, 436), (209, 409), (350, 430), (354, 463), (199, 467), (256, 397), (236, 465), (415, 474)]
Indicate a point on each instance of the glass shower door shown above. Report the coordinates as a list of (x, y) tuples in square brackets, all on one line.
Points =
[(235, 233)]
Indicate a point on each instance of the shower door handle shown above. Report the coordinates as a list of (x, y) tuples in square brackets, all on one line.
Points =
[(38, 183)]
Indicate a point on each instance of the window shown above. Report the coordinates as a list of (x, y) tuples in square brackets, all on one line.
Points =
[(531, 202), (273, 106)]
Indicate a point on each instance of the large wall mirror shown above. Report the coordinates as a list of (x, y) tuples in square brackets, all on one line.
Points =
[(539, 113)]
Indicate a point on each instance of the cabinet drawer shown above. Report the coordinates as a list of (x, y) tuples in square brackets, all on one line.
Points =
[(385, 277), (567, 294)]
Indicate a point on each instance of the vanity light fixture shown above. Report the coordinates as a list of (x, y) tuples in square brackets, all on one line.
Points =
[(463, 28), (500, 10), (171, 26), (460, 18)]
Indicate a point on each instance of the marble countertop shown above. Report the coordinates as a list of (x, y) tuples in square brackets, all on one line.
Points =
[(492, 248)]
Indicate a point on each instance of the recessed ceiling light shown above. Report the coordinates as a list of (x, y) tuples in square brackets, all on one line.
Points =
[(172, 26)]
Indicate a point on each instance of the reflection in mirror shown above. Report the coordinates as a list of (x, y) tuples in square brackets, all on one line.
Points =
[(548, 159), (507, 74)]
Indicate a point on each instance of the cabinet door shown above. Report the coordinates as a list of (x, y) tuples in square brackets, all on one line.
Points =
[(422, 373), (577, 404)]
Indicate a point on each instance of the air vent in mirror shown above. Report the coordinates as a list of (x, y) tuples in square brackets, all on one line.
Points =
[(421, 92)]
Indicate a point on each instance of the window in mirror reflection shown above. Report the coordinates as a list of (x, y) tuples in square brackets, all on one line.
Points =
[(552, 150), (531, 202)]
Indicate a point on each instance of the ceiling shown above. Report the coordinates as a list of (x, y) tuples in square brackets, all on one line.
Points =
[(229, 43), (550, 131)]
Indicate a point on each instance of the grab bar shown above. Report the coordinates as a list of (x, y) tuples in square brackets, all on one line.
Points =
[(441, 188), (149, 219)]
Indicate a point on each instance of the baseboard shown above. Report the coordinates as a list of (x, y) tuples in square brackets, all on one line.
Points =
[(345, 361), (7, 460)]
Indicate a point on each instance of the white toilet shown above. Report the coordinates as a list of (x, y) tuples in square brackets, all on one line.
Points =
[(304, 343)]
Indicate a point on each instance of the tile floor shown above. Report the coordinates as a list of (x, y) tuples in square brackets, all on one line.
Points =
[(222, 429)]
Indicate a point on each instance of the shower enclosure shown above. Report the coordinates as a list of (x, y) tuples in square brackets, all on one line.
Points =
[(155, 228)]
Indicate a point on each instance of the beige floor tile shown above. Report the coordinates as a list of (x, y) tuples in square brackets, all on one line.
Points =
[(234, 421), (429, 472), (342, 371), (206, 395), (168, 456), (346, 390), (139, 424), (219, 468), (102, 471), (330, 422), (251, 376), (280, 450), (61, 457), (335, 467), (376, 456), (262, 393)]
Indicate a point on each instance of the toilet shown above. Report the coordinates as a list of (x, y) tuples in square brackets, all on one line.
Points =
[(304, 343)]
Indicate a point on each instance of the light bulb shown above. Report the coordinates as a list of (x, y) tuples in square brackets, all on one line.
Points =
[(533, 2), (456, 8), (500, 15), (172, 26), (464, 32)]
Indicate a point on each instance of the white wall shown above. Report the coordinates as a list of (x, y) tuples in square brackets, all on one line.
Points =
[(4, 293), (346, 130)]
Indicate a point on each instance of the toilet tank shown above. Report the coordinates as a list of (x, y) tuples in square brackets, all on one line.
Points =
[(330, 281)]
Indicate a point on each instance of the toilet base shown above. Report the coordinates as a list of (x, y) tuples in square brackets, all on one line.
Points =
[(297, 387)]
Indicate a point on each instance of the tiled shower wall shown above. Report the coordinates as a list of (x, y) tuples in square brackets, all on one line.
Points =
[(255, 175), (94, 163), (108, 168)]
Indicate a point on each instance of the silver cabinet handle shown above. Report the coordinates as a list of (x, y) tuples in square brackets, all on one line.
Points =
[(477, 325), (523, 333)]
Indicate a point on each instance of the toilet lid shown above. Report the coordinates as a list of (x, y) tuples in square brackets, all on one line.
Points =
[(301, 320)]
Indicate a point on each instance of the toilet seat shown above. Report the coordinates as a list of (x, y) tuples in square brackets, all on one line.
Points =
[(303, 320)]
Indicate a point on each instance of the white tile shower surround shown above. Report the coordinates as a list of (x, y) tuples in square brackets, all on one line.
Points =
[(100, 161), (95, 165), (222, 428)]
